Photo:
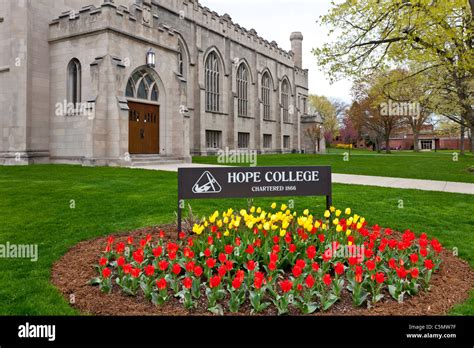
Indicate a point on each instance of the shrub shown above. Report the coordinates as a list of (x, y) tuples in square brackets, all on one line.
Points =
[(276, 258)]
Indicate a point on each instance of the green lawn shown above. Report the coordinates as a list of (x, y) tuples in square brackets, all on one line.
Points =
[(35, 208), (424, 165)]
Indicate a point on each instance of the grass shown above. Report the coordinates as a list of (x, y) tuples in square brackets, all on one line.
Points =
[(35, 206), (423, 165)]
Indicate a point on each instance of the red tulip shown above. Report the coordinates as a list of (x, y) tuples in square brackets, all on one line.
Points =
[(327, 279), (187, 283), (251, 265), (429, 264), (310, 281), (103, 261), (370, 265), (106, 273), (163, 264), (158, 251), (215, 282), (236, 283), (198, 271), (297, 271), (286, 286), (149, 270), (311, 252), (222, 258), (380, 278), (210, 263), (176, 269), (250, 250), (339, 269), (161, 283)]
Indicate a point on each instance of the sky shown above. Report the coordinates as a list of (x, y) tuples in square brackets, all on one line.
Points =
[(276, 20)]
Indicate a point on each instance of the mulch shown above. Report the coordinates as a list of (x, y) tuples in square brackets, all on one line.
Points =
[(71, 274)]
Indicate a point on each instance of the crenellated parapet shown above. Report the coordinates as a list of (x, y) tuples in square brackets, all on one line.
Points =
[(222, 24), (140, 21)]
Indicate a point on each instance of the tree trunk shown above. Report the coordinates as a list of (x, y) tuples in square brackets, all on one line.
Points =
[(416, 146), (472, 138), (387, 145), (461, 145)]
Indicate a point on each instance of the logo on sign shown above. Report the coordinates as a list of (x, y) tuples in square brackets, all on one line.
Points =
[(207, 184)]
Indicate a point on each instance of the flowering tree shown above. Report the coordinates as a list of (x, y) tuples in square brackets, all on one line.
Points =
[(349, 133)]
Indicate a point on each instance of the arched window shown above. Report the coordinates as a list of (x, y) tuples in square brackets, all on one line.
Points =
[(142, 85), (212, 83), (266, 96), (285, 100), (180, 60), (242, 90), (74, 81)]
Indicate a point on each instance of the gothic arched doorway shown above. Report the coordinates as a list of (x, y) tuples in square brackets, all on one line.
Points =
[(144, 115)]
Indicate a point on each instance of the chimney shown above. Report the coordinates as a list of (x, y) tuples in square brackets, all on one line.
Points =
[(297, 48)]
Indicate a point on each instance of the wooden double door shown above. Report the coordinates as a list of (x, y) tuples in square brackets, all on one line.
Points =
[(144, 128)]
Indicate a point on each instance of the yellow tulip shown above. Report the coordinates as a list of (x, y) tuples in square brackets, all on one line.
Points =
[(327, 214), (338, 228), (284, 207), (338, 213), (335, 221), (348, 233), (348, 211), (252, 210), (356, 218), (219, 223), (332, 209), (274, 205), (359, 226), (226, 233), (317, 224), (259, 210), (306, 212)]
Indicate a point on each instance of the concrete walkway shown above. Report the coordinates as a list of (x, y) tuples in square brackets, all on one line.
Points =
[(400, 183)]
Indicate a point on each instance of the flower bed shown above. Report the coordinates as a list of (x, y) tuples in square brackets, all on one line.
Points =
[(275, 258)]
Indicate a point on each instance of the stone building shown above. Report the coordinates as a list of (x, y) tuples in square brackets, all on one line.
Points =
[(121, 81)]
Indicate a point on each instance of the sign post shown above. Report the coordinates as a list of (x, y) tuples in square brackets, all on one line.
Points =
[(236, 182)]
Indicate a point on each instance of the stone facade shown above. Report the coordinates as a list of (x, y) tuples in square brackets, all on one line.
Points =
[(109, 40)]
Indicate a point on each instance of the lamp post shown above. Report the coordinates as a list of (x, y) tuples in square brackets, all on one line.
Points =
[(151, 58)]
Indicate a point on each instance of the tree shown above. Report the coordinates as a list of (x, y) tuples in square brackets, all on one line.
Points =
[(436, 35), (412, 95), (368, 109), (323, 106), (314, 133), (349, 134)]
